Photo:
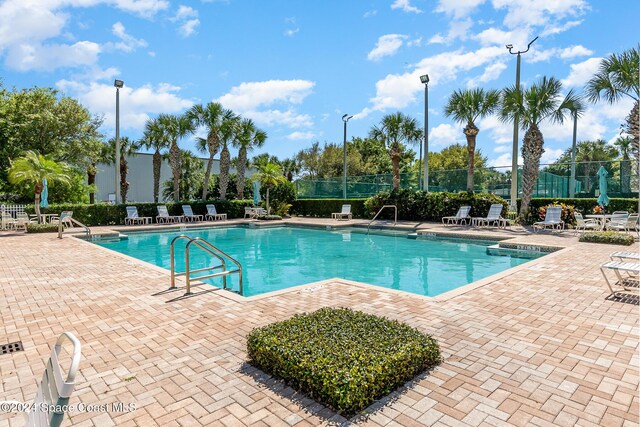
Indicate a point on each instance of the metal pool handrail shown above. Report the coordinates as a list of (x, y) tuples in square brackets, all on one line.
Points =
[(395, 217)]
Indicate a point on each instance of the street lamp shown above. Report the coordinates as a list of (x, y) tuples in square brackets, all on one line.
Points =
[(514, 156), (118, 84), (425, 185), (345, 119)]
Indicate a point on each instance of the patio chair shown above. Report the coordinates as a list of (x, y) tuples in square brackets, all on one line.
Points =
[(628, 285), (8, 222), (625, 256), (164, 217), (585, 224), (22, 219), (460, 217), (552, 218), (189, 215), (64, 218), (493, 217), (622, 223), (134, 218), (54, 390), (213, 215), (345, 213)]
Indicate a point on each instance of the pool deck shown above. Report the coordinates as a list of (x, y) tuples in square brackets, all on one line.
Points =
[(541, 345)]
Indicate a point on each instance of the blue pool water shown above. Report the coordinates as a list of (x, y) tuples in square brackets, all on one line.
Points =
[(281, 257)]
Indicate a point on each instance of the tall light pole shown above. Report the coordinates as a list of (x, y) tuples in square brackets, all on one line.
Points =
[(514, 155), (345, 119), (425, 80), (118, 84), (572, 180)]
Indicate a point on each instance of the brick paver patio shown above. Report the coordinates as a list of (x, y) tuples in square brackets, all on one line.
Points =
[(539, 346)]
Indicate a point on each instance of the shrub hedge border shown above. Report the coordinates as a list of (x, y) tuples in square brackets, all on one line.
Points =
[(607, 237)]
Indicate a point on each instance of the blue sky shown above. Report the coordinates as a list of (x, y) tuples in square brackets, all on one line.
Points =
[(296, 67)]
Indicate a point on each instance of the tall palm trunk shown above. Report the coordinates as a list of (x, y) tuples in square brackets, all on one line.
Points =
[(395, 168), (531, 152), (207, 175), (242, 162), (225, 164), (157, 164), (36, 201), (91, 180), (268, 208), (471, 131), (175, 160), (124, 185)]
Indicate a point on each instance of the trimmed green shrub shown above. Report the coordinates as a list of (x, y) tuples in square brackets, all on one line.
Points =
[(106, 214), (342, 358), (323, 208), (607, 237), (584, 206), (42, 228), (422, 206)]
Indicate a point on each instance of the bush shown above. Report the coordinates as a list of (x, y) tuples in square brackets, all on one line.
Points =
[(584, 206), (344, 359), (422, 206), (323, 208), (42, 228), (568, 215), (607, 237), (106, 214)]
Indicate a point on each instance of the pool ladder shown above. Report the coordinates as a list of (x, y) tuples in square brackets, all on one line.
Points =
[(395, 215), (211, 250)]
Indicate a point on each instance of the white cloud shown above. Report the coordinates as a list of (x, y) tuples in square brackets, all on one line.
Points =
[(144, 8), (189, 27), (26, 57), (249, 99), (415, 42), (295, 136), (566, 53), (556, 29), (495, 36), (444, 135), (550, 155), (185, 12), (127, 42), (527, 13), (136, 104), (581, 72), (387, 45), (187, 18), (458, 8), (405, 6), (370, 13), (457, 30), (501, 161), (491, 72), (291, 32)]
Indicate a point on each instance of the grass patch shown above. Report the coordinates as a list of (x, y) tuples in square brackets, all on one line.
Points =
[(42, 228), (607, 237), (342, 358)]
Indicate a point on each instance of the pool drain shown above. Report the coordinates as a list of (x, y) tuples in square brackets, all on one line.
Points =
[(12, 347)]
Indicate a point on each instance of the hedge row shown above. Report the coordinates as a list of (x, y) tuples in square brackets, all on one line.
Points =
[(323, 208), (607, 237), (584, 206), (344, 359), (105, 214)]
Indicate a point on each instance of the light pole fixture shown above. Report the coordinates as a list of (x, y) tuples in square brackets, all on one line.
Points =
[(118, 84), (425, 185), (514, 155), (345, 119), (572, 180)]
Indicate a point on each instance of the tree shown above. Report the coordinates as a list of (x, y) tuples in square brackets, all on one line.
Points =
[(247, 137), (269, 175), (540, 102), (128, 147), (191, 178), (175, 127), (155, 137), (33, 168), (466, 106), (228, 132), (616, 78), (99, 153), (309, 160), (394, 131), (447, 168), (625, 146), (290, 168), (213, 117)]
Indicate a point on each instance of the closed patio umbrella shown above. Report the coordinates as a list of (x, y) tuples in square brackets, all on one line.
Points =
[(44, 196), (603, 199)]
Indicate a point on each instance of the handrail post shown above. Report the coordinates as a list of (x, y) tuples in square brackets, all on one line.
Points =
[(188, 273), (172, 253)]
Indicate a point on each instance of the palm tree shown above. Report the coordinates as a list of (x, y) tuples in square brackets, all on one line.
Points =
[(540, 102), (128, 147), (394, 131), (466, 106), (625, 146), (269, 175), (212, 116), (247, 138), (155, 137), (616, 78), (33, 168), (228, 132), (290, 168), (175, 127)]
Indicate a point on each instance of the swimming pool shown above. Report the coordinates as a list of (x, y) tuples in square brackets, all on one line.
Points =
[(275, 258)]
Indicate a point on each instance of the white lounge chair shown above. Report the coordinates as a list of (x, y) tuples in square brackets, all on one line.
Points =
[(625, 256), (22, 219), (460, 217), (164, 217), (213, 215), (552, 218), (586, 224), (134, 218), (628, 285), (493, 217), (64, 218), (189, 215), (8, 222), (54, 390), (250, 212), (623, 223), (344, 214)]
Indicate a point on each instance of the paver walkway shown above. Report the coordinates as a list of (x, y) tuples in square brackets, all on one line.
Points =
[(541, 346)]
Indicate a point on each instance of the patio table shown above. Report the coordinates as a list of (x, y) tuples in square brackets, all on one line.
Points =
[(601, 218), (46, 218)]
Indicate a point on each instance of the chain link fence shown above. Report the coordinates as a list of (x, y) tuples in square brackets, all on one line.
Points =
[(554, 180)]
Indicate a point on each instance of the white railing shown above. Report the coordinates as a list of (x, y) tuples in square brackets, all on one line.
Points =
[(12, 210)]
